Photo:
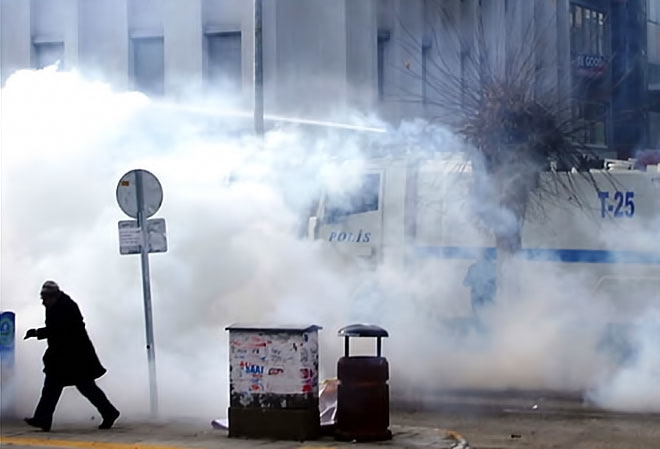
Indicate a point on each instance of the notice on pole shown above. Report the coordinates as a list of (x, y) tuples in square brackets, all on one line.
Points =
[(130, 236)]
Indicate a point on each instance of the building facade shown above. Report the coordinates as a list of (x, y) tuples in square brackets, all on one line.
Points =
[(600, 56), (175, 47)]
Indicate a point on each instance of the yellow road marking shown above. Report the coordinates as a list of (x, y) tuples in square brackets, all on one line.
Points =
[(45, 442)]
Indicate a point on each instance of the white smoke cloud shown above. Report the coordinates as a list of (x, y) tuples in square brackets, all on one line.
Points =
[(232, 205), (233, 252)]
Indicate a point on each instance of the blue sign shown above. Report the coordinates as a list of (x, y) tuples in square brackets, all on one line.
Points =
[(7, 332)]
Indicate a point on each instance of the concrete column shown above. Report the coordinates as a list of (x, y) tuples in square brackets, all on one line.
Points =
[(71, 32), (495, 28), (403, 66), (183, 34), (470, 17), (311, 56), (270, 56), (563, 52), (361, 48), (523, 36), (15, 39), (103, 40), (446, 32)]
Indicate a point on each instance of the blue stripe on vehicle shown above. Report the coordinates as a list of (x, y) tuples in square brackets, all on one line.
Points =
[(545, 255)]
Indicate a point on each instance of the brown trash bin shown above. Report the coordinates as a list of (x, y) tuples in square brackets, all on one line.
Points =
[(363, 404)]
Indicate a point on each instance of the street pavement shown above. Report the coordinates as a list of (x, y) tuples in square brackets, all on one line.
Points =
[(482, 420), (180, 434)]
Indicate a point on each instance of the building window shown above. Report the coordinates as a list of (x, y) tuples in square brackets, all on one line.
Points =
[(654, 129), (361, 199), (224, 59), (47, 54), (588, 31), (654, 76), (148, 65), (383, 39), (426, 51), (590, 121)]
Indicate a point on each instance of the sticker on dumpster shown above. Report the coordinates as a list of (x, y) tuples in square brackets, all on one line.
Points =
[(253, 369), (274, 363)]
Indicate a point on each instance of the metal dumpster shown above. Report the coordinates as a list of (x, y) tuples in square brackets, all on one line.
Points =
[(363, 404), (274, 382)]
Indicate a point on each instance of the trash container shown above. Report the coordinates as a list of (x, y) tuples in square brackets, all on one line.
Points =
[(363, 403), (274, 382)]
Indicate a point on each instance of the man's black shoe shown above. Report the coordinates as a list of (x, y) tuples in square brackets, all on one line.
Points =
[(109, 420), (35, 423)]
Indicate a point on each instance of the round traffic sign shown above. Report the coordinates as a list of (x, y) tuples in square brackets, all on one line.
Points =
[(137, 183)]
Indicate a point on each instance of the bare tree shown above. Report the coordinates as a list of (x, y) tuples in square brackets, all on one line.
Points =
[(495, 95)]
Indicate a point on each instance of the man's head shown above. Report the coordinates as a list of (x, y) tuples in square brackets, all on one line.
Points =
[(50, 291)]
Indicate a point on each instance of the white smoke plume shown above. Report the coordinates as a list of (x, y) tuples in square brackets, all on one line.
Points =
[(232, 205), (233, 253)]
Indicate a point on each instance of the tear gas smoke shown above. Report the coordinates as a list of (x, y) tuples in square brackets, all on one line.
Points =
[(234, 256)]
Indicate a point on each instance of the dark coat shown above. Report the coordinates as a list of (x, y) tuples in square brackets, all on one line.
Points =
[(70, 357)]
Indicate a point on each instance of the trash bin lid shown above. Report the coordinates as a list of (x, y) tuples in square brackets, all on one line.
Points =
[(362, 330), (273, 327)]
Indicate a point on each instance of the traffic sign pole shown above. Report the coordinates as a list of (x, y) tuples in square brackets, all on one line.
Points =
[(146, 290), (139, 195)]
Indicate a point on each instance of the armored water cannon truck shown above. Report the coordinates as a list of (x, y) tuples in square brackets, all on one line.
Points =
[(602, 225)]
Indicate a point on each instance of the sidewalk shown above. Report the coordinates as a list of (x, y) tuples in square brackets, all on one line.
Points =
[(181, 434)]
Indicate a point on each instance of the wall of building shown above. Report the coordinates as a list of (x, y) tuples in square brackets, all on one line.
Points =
[(322, 56), (309, 63)]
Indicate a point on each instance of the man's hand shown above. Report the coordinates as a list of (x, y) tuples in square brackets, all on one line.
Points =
[(31, 333)]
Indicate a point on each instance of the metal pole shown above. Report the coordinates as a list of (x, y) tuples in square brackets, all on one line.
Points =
[(258, 80), (146, 290)]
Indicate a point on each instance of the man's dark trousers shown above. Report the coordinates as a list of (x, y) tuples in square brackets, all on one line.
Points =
[(52, 390)]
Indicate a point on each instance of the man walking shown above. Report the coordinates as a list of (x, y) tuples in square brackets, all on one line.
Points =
[(69, 360)]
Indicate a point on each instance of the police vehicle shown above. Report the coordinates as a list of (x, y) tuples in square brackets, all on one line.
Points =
[(600, 228)]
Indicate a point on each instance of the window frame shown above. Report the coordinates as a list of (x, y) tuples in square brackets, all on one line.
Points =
[(580, 18), (210, 33), (160, 90), (326, 205), (38, 44), (382, 38), (578, 107)]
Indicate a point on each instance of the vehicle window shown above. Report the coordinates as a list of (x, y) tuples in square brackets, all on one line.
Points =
[(364, 198)]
